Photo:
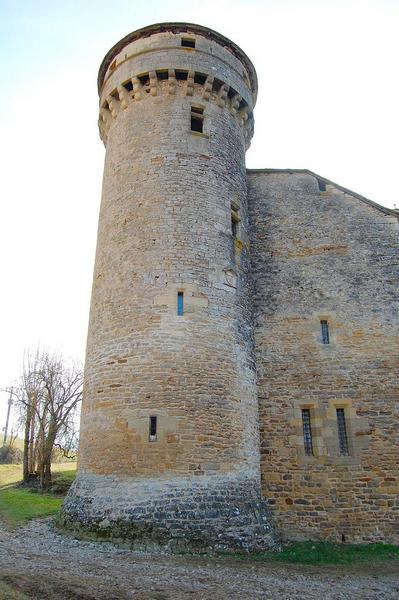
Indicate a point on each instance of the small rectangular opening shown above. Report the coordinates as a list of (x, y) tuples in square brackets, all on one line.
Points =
[(200, 78), (180, 304), (162, 74), (128, 85), (217, 84), (325, 335), (231, 93), (144, 79), (182, 75), (153, 429), (235, 224), (188, 42), (197, 119), (322, 185), (235, 220), (234, 227), (307, 432), (342, 433)]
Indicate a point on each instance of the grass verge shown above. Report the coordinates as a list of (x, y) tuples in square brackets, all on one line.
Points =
[(324, 553), (18, 505)]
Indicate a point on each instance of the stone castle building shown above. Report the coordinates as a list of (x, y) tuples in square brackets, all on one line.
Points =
[(241, 381)]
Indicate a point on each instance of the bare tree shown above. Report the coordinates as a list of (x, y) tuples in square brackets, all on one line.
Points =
[(49, 396)]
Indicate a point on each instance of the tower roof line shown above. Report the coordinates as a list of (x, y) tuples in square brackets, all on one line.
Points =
[(384, 209), (178, 28)]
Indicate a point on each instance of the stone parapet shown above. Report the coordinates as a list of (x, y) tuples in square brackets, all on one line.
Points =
[(196, 85)]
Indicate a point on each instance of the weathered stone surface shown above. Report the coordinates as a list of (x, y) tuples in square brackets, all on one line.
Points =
[(179, 213), (177, 514), (165, 227), (326, 255)]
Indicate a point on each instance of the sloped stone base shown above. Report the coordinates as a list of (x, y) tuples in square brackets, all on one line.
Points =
[(178, 515)]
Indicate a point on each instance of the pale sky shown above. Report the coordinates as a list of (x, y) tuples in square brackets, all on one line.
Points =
[(328, 101)]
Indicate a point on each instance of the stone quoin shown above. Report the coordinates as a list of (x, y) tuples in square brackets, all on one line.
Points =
[(241, 377)]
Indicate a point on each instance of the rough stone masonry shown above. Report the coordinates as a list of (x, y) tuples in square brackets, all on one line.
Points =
[(242, 356)]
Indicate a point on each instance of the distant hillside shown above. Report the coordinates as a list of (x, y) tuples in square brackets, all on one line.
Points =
[(18, 442)]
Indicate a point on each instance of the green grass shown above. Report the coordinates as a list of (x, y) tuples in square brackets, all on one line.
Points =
[(63, 472), (13, 473), (10, 474), (324, 553), (18, 505)]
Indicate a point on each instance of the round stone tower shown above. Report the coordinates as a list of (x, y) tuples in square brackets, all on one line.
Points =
[(169, 450)]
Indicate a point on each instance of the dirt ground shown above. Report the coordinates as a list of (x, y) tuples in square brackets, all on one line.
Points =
[(37, 562)]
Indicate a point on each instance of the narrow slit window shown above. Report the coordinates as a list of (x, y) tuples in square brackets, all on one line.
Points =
[(188, 42), (197, 119), (307, 432), (342, 433), (153, 429), (234, 227), (235, 222), (180, 303), (325, 334)]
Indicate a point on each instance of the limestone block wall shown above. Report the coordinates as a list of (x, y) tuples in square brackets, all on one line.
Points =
[(165, 228), (326, 256)]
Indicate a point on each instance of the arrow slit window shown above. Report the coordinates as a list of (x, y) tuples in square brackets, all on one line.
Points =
[(153, 429)]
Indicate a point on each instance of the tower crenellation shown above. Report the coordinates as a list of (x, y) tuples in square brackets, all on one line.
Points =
[(203, 70)]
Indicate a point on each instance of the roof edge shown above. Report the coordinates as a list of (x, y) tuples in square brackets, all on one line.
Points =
[(384, 209), (178, 28)]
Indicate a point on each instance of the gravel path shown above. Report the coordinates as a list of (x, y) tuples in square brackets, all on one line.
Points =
[(41, 564)]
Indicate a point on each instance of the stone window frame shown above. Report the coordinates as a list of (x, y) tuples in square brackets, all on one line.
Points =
[(194, 300), (331, 331), (325, 432), (180, 302), (353, 424), (199, 116), (235, 218), (188, 42), (316, 418)]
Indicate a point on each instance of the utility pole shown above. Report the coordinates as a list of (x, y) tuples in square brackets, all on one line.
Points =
[(8, 418)]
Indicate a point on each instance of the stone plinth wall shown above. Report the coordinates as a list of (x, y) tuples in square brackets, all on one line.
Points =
[(176, 515), (326, 255)]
